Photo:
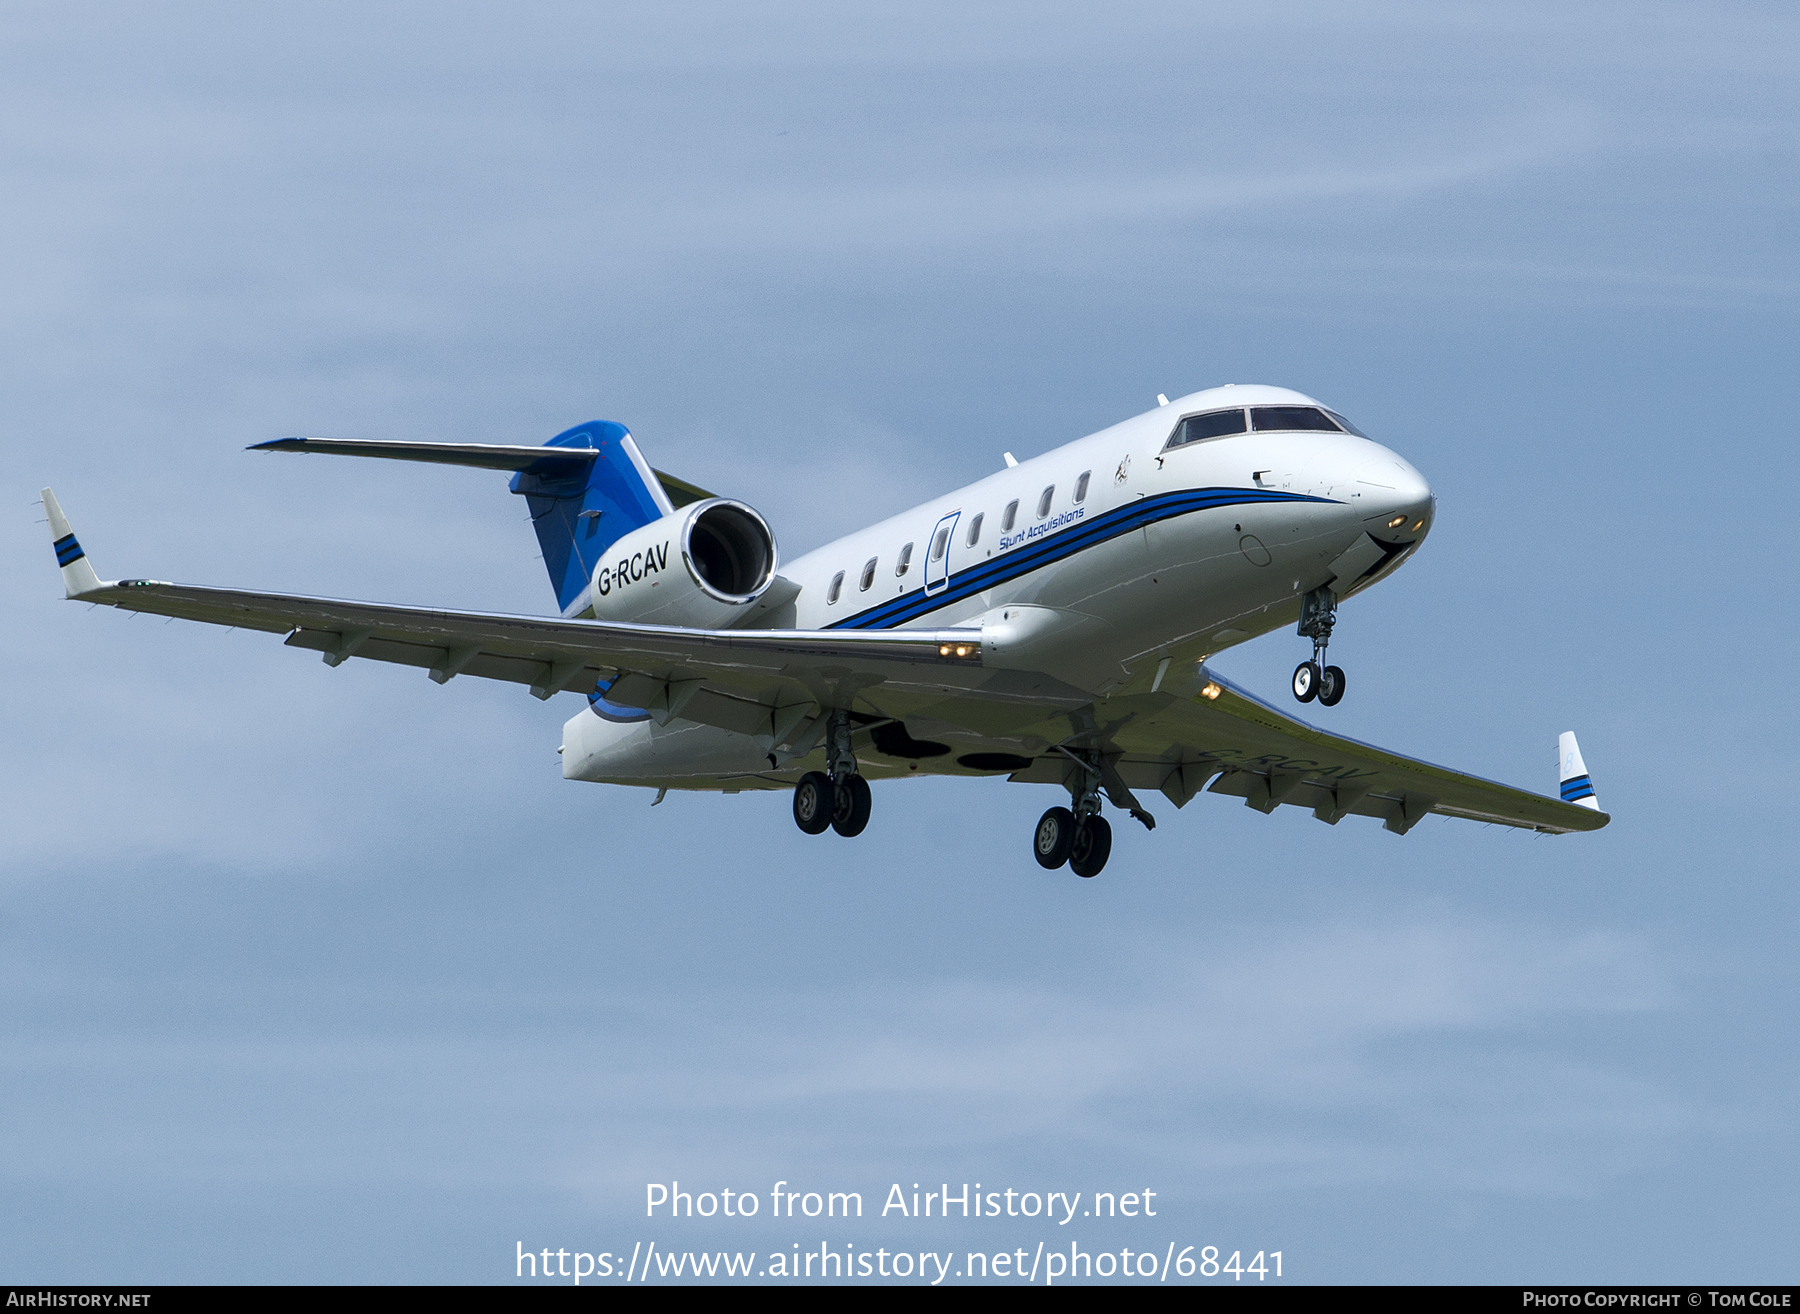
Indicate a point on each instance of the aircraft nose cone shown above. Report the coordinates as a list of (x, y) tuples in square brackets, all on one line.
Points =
[(1397, 498)]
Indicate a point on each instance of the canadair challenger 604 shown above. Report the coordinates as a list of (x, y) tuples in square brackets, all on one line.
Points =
[(1051, 623)]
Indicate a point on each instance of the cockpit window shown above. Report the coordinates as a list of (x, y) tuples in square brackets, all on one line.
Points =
[(1346, 425), (1198, 428), (1266, 418)]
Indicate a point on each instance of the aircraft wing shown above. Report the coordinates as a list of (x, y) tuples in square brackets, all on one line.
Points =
[(1207, 733), (1195, 731), (758, 682)]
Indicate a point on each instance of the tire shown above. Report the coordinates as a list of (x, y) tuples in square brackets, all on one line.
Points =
[(1306, 681), (813, 802), (851, 805), (1051, 840), (1331, 687), (1093, 846)]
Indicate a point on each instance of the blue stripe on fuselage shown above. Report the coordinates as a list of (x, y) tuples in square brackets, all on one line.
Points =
[(1059, 545)]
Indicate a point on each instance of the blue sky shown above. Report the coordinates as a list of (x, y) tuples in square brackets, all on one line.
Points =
[(317, 974)]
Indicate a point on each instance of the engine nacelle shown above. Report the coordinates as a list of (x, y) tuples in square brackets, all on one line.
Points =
[(702, 566)]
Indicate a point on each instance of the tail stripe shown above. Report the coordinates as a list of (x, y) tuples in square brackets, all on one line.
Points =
[(1578, 788), (67, 550), (1572, 773)]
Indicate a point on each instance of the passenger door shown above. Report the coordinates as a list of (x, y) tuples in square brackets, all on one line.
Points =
[(937, 554)]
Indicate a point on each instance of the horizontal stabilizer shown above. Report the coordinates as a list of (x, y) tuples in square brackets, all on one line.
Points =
[(548, 462), (545, 462)]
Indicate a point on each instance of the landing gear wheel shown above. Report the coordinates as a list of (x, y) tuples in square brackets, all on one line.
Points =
[(1092, 847), (1055, 833), (1306, 681), (814, 802), (1331, 685), (851, 804)]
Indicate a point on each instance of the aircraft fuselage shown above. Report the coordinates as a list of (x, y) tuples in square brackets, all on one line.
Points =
[(1102, 565)]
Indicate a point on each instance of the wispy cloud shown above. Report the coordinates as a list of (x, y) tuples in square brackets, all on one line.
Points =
[(1438, 1052)]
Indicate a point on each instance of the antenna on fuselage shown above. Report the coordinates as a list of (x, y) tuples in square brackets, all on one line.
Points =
[(1011, 460), (1161, 400)]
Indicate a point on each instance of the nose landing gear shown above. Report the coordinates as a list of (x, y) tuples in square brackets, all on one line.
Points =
[(1313, 679), (839, 799)]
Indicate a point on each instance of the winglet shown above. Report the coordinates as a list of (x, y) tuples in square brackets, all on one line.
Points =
[(77, 571), (1577, 788)]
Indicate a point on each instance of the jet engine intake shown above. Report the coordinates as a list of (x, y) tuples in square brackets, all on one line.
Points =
[(702, 566)]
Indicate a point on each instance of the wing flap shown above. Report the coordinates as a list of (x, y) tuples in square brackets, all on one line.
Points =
[(737, 678), (570, 673)]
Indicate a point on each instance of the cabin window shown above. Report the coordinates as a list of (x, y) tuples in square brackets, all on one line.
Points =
[(1044, 501), (837, 586), (1214, 424), (940, 542), (1276, 418), (975, 529), (900, 567), (1081, 486), (1011, 514), (868, 575)]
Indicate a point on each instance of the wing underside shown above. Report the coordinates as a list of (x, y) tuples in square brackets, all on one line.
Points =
[(1205, 733), (1180, 736), (551, 655)]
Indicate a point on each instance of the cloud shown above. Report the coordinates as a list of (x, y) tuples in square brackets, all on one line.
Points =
[(1434, 1051)]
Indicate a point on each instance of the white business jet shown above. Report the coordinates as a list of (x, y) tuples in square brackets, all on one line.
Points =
[(1050, 623)]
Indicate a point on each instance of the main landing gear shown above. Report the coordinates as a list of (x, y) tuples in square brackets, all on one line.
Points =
[(1080, 836), (839, 799), (1314, 679), (1084, 843)]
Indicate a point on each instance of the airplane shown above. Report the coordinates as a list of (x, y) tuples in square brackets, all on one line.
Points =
[(1051, 623)]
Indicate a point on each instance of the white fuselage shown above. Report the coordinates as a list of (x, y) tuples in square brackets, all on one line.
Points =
[(1090, 563)]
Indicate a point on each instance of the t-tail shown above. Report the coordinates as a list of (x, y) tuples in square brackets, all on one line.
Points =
[(1577, 787), (587, 488), (581, 509)]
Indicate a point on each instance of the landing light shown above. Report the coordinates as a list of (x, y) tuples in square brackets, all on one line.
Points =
[(956, 650), (1396, 522), (1210, 691), (1418, 525)]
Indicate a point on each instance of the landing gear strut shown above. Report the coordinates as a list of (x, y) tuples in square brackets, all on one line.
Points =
[(837, 798), (1079, 835), (1314, 679)]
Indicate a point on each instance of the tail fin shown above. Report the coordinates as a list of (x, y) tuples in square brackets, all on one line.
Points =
[(1577, 788), (581, 503), (579, 513)]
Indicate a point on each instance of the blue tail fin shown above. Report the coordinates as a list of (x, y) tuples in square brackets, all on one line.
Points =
[(580, 512)]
